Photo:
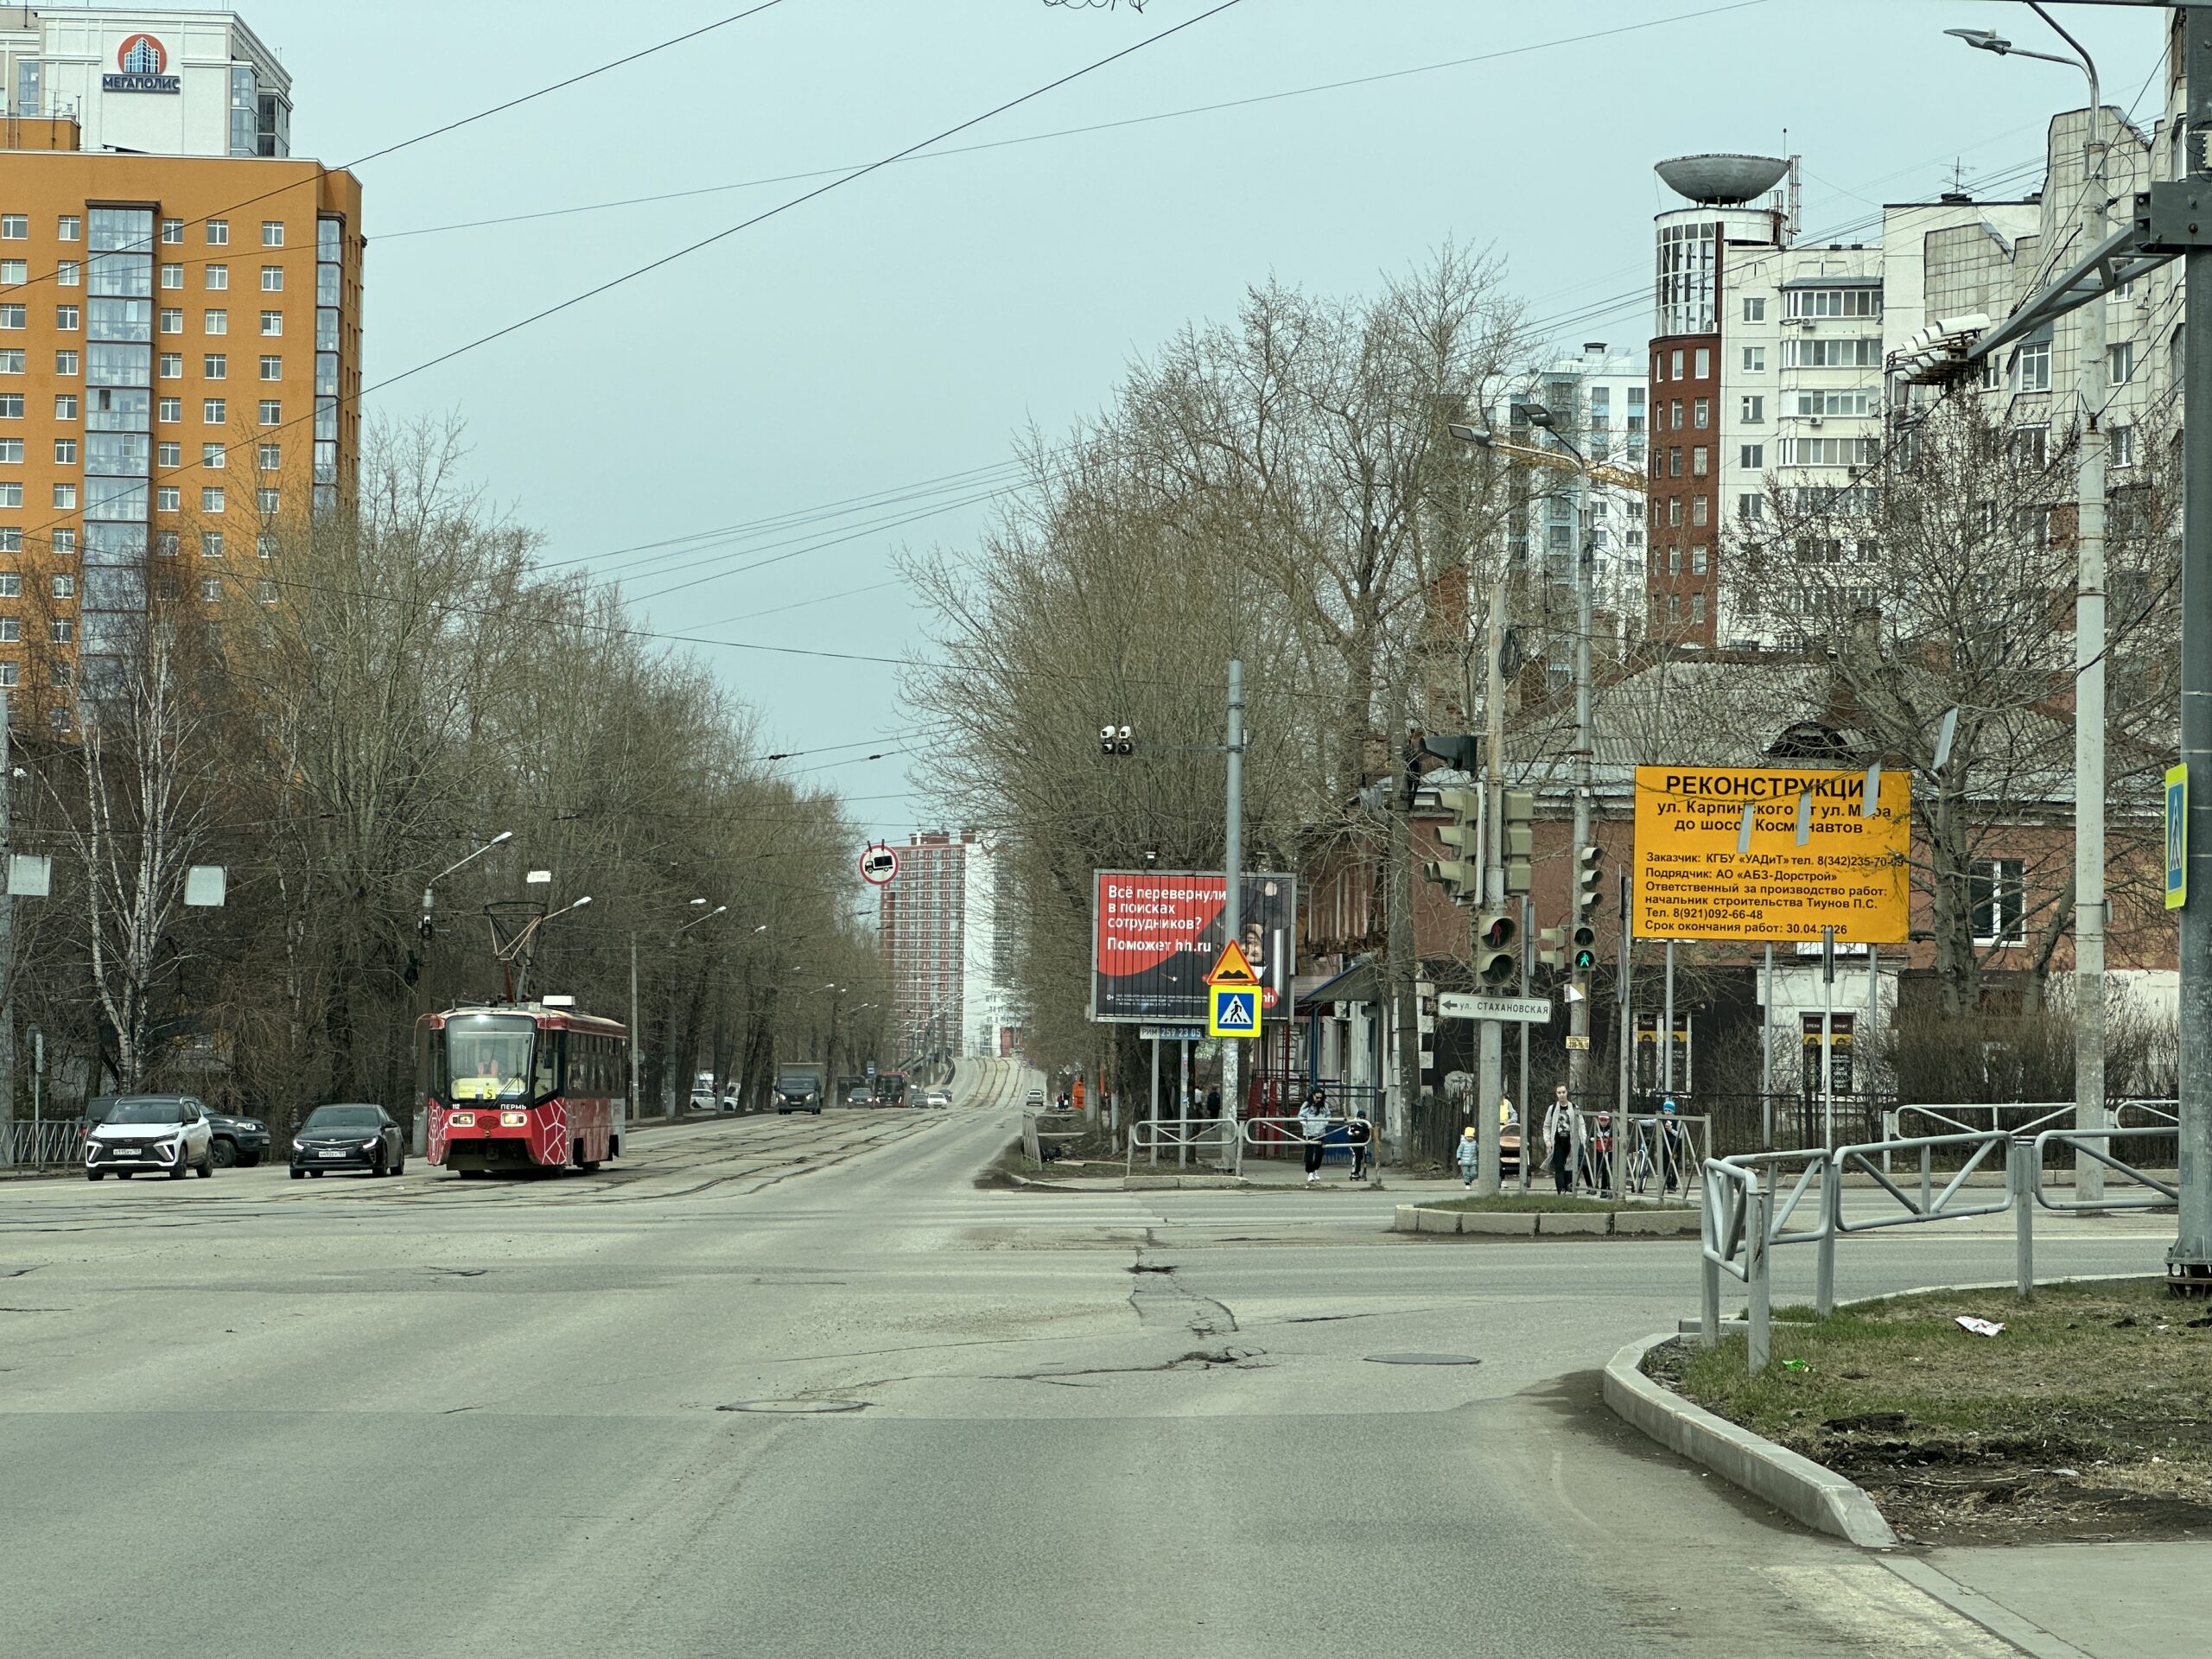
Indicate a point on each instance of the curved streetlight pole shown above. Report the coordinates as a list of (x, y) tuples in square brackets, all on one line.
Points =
[(419, 1134)]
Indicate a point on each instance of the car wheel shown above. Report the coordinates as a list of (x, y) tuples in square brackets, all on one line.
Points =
[(299, 1174), (93, 1174), (377, 1169), (206, 1164), (400, 1168), (124, 1174), (179, 1169), (224, 1153), (316, 1173)]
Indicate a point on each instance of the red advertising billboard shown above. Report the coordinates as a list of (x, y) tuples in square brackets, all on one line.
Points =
[(1154, 934)]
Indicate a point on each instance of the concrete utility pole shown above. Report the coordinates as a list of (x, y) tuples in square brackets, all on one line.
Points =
[(2190, 1260), (1577, 1012), (1489, 1067), (1233, 883), (1405, 974)]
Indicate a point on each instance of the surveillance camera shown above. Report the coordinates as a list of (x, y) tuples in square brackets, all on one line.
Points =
[(1105, 734)]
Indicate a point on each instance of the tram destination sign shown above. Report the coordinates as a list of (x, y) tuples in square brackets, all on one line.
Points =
[(1698, 876)]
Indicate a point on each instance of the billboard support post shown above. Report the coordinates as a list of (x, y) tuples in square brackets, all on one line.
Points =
[(1233, 869)]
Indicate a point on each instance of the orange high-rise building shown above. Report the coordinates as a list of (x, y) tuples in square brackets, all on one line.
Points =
[(179, 373)]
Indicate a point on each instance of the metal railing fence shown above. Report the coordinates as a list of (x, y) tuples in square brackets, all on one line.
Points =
[(1213, 1138), (43, 1143)]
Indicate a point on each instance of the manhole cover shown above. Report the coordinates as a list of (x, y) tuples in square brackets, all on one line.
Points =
[(1422, 1359), (797, 1407)]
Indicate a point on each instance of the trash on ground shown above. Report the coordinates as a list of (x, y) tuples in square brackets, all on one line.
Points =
[(1979, 1327), (1796, 1364)]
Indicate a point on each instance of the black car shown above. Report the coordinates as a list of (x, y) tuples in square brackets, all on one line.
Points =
[(350, 1136), (240, 1141)]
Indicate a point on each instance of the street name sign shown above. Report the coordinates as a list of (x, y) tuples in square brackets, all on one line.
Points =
[(1233, 1010), (1459, 1004), (1698, 876)]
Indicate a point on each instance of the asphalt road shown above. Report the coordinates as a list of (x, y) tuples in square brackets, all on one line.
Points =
[(256, 1417)]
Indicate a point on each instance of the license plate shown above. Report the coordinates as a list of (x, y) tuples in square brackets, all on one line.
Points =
[(330, 1155)]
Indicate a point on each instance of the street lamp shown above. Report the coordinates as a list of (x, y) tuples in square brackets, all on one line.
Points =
[(2089, 377), (504, 836)]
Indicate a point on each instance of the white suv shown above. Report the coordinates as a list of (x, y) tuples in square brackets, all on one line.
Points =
[(166, 1134)]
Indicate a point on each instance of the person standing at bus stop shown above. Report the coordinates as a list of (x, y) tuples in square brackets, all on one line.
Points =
[(1558, 1134), (1312, 1128)]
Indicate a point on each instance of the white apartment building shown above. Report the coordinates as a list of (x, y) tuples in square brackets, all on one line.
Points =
[(161, 83)]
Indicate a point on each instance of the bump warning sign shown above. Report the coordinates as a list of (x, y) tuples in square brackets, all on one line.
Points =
[(1814, 859)]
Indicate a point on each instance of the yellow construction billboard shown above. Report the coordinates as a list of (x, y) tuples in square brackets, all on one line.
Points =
[(1851, 872)]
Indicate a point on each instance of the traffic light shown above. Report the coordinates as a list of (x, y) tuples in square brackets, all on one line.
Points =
[(1518, 839), (1551, 946), (1497, 950), (1116, 740), (1460, 875), (1586, 872)]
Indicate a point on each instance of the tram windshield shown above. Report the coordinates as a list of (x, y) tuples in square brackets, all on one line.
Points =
[(488, 1056)]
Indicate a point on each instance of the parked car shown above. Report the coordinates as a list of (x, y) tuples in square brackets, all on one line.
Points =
[(240, 1141), (352, 1134), (169, 1133)]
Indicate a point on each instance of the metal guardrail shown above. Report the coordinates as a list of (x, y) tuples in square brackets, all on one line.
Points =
[(1742, 1222), (43, 1143), (1182, 1135)]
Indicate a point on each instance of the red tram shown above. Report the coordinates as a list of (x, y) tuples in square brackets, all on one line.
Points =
[(530, 1085)]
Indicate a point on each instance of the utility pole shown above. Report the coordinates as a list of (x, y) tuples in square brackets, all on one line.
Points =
[(1233, 883), (1577, 1012), (1404, 971), (2090, 378), (2190, 1264)]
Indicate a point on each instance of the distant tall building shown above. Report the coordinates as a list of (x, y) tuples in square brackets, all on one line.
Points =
[(180, 332)]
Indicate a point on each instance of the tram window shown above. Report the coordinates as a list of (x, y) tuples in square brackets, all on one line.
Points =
[(547, 1080), (487, 1062)]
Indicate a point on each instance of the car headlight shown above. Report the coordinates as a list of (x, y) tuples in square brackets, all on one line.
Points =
[(370, 1146), (299, 1146)]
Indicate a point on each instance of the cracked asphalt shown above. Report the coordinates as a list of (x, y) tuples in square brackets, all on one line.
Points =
[(796, 1387)]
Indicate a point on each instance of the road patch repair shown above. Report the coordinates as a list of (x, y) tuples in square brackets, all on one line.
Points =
[(2087, 1418), (1515, 1215)]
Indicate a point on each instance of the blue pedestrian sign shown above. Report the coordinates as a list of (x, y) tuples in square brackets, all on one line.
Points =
[(2176, 836), (1233, 1011)]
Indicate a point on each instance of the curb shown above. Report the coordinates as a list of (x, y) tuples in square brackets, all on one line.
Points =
[(1800, 1488), (1546, 1224)]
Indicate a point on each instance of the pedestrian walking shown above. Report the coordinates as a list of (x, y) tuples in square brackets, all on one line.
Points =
[(1469, 1151), (1361, 1134), (1558, 1134), (1601, 1153), (1312, 1128), (1213, 1100), (1672, 1153)]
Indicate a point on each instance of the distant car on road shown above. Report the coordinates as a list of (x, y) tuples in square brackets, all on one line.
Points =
[(937, 1097), (169, 1133), (352, 1135), (1035, 1098)]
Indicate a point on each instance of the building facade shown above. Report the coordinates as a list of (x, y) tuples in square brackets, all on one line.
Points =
[(938, 924), (159, 83), (179, 372)]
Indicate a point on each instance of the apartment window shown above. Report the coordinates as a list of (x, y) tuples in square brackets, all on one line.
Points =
[(60, 674), (264, 500), (11, 362), (14, 316), (2119, 362), (1674, 360), (272, 322), (64, 497), (1992, 372), (172, 365), (2120, 445), (272, 412), (214, 411), (211, 544), (172, 230), (65, 587), (1704, 363), (61, 629), (1700, 461), (11, 584), (169, 455), (1996, 888), (67, 318), (217, 277), (68, 228), (1754, 359), (2034, 365), (1700, 508), (65, 405), (1833, 302), (215, 322), (11, 631), (1701, 413), (272, 279), (215, 365), (1675, 512), (10, 673), (1675, 414), (65, 452), (211, 498), (1831, 352), (1829, 452), (1754, 308), (218, 232), (14, 270), (1698, 558), (1754, 412), (211, 455), (15, 227), (172, 276), (271, 456), (211, 589), (1674, 561), (1697, 608), (11, 451), (165, 547), (272, 233), (1751, 505), (168, 498), (1675, 461), (68, 274), (58, 718), (172, 320), (64, 542), (265, 591), (11, 405), (2031, 447), (11, 495), (1673, 608), (273, 368), (1860, 402)]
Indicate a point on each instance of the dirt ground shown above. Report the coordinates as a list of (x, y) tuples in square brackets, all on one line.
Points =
[(2088, 1418)]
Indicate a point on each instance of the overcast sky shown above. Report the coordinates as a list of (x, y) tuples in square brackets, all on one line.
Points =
[(897, 331)]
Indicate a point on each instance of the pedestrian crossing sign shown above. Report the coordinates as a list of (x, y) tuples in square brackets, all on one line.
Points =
[(1233, 1011)]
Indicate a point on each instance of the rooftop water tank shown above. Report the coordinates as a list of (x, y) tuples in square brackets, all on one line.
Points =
[(1722, 180)]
